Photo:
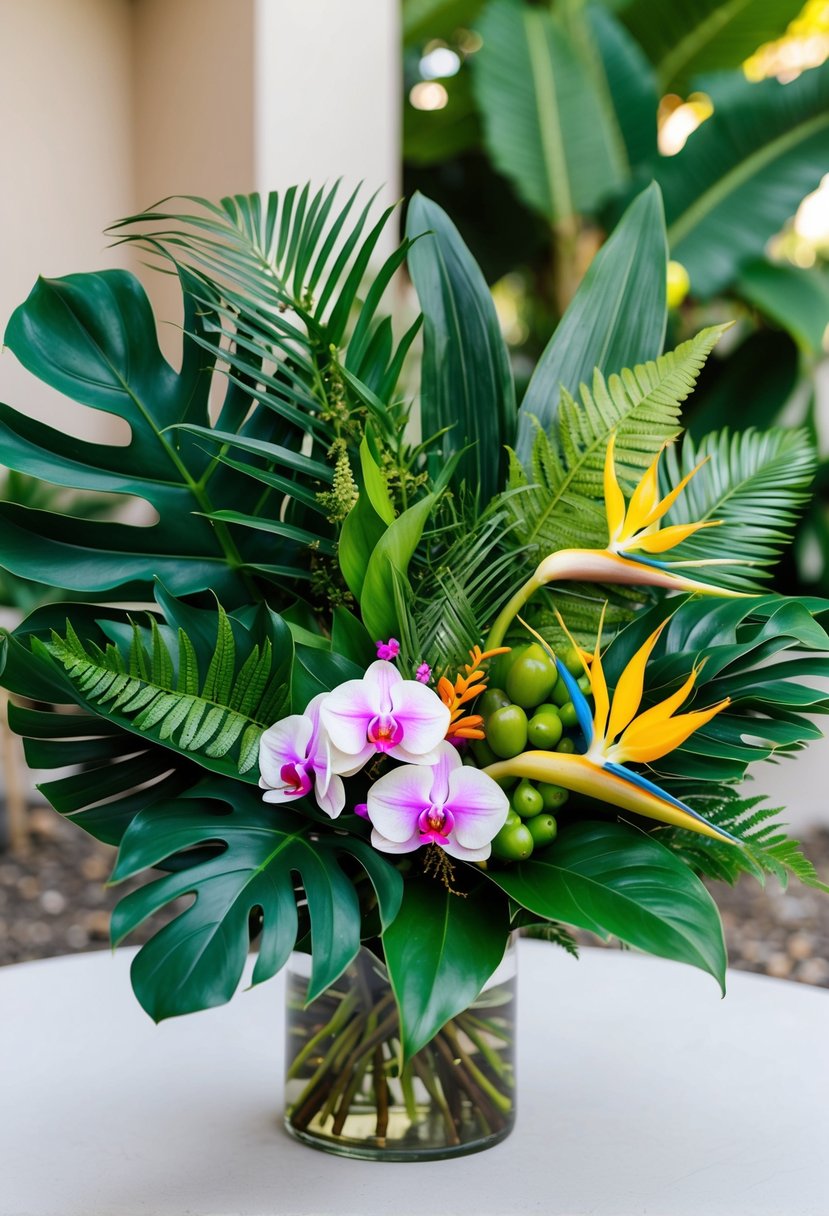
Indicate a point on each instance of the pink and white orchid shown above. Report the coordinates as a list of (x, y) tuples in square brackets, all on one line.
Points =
[(448, 804), (384, 713), (296, 753)]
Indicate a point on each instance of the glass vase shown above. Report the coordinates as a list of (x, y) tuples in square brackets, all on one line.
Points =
[(347, 1093)]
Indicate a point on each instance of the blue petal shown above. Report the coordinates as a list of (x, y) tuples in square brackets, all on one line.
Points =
[(645, 561), (643, 783), (580, 704)]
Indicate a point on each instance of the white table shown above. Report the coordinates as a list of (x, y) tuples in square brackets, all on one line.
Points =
[(641, 1093)]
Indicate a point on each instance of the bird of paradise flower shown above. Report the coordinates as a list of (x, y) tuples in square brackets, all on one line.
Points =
[(636, 539), (615, 733)]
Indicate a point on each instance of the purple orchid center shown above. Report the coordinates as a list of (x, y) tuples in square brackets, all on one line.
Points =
[(435, 824), (296, 779), (384, 732)]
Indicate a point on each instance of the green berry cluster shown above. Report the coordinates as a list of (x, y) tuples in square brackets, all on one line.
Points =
[(529, 710)]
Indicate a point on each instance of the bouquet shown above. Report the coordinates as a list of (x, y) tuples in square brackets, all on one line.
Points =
[(378, 688)]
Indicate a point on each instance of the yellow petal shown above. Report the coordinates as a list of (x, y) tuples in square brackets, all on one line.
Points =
[(644, 499), (613, 497), (598, 685), (628, 694), (584, 656), (667, 538), (662, 508), (642, 745), (583, 776)]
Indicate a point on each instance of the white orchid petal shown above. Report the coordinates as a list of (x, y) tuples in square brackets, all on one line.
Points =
[(422, 715), (330, 799), (384, 845), (479, 806), (397, 799), (285, 742)]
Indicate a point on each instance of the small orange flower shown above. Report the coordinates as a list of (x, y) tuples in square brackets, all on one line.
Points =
[(468, 685)]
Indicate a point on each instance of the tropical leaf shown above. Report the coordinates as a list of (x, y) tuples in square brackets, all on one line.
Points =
[(624, 79), (127, 766), (610, 879), (766, 848), (754, 482), (466, 387), (755, 651), (687, 37), (794, 298), (547, 127), (563, 503), (616, 319), (196, 961), (763, 149), (440, 950)]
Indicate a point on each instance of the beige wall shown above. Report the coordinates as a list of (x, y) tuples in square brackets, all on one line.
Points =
[(65, 114)]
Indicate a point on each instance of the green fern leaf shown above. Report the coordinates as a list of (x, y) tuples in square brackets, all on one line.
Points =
[(249, 748), (139, 663), (161, 670), (188, 666), (562, 505), (219, 681)]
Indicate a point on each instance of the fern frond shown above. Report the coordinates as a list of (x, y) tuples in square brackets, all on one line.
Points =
[(550, 931), (563, 506), (765, 847), (754, 482), (159, 693)]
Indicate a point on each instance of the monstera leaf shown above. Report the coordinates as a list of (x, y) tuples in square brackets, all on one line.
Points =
[(250, 857), (612, 880)]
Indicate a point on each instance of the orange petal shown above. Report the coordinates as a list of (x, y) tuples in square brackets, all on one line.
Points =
[(644, 498), (642, 745), (663, 507), (628, 694), (667, 538), (598, 685), (614, 499)]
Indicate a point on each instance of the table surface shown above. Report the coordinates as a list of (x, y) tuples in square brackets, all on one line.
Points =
[(641, 1093)]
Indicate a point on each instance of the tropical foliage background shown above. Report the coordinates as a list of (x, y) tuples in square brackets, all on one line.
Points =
[(535, 123)]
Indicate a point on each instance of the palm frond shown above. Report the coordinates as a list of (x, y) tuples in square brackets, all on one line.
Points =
[(766, 848), (755, 482), (563, 506)]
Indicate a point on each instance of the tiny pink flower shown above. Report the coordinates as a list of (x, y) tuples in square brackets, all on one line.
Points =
[(423, 673), (388, 650), (296, 754), (384, 713), (361, 810), (449, 804)]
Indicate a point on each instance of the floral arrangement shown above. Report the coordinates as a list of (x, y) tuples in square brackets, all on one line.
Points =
[(319, 693)]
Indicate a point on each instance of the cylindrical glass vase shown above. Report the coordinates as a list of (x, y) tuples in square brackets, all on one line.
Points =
[(346, 1092)]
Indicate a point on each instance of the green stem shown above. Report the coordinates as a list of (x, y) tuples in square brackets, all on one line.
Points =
[(341, 1015), (501, 1101), (508, 613)]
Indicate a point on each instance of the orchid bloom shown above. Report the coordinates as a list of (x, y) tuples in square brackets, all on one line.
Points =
[(634, 537), (448, 804), (389, 649), (615, 733), (295, 753), (384, 713)]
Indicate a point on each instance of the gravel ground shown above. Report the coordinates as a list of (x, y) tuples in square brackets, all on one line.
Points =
[(53, 901)]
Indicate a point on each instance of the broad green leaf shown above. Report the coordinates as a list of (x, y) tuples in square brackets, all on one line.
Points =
[(317, 671), (796, 299), (196, 961), (742, 174), (440, 950), (686, 37), (390, 557), (375, 484), (545, 124), (625, 81), (350, 638), (466, 388), (611, 879), (616, 319)]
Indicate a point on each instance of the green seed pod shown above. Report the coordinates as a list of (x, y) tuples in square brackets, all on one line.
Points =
[(570, 658), (553, 796), (543, 829), (531, 678), (568, 715), (483, 753), (506, 731), (513, 843), (567, 747), (544, 729), (526, 800), (489, 701)]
